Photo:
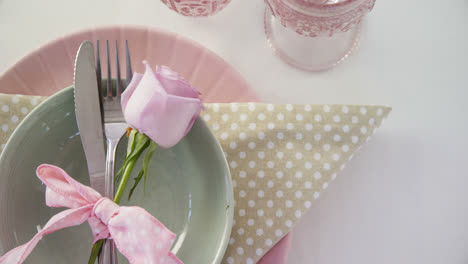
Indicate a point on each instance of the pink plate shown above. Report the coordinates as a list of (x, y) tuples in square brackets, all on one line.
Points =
[(50, 69)]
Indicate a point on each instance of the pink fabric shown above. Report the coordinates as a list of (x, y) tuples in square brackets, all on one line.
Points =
[(139, 236), (278, 254), (162, 105)]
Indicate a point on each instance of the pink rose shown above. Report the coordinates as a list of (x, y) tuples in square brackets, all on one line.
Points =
[(161, 104)]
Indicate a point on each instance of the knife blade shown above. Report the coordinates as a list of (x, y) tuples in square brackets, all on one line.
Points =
[(89, 115)]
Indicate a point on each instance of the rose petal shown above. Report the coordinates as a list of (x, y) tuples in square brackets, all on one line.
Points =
[(130, 89), (162, 105), (174, 84), (169, 124)]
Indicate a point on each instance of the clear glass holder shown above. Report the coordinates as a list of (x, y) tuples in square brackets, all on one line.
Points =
[(196, 8), (309, 53), (316, 37)]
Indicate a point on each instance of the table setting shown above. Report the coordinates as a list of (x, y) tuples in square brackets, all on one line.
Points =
[(169, 153)]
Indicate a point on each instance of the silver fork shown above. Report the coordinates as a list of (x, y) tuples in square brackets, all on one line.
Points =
[(114, 128)]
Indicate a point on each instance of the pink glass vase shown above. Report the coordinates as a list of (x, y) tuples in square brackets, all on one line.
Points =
[(196, 8), (314, 35)]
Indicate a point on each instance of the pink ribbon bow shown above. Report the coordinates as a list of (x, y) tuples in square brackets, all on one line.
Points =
[(139, 236)]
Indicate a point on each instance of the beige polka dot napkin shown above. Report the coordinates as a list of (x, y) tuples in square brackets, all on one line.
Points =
[(13, 109), (282, 157)]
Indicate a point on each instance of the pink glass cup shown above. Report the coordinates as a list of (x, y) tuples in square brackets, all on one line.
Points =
[(196, 8), (314, 35)]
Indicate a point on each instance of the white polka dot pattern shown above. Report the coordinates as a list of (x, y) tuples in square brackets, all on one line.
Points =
[(281, 158), (14, 109)]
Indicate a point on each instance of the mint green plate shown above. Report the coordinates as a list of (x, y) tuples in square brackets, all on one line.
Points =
[(188, 189)]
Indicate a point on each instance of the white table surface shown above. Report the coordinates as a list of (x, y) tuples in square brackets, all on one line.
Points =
[(404, 198)]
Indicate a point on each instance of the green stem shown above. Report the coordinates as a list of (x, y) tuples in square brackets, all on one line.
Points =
[(120, 190), (125, 178), (95, 251)]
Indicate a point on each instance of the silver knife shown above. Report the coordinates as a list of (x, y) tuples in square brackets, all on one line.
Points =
[(88, 115)]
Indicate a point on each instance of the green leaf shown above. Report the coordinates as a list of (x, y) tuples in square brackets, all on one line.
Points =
[(139, 142), (131, 142), (130, 148), (120, 172), (137, 180), (125, 177), (144, 171), (147, 159)]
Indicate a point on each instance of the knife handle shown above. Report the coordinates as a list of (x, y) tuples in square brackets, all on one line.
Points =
[(109, 253)]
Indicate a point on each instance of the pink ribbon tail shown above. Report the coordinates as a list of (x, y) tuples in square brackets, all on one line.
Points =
[(137, 234), (67, 218)]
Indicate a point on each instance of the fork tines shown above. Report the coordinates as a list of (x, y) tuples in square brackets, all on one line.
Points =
[(112, 88)]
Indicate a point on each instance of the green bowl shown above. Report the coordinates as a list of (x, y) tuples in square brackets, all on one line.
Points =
[(188, 189)]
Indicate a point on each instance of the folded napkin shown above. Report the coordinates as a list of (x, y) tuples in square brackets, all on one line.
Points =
[(281, 157)]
